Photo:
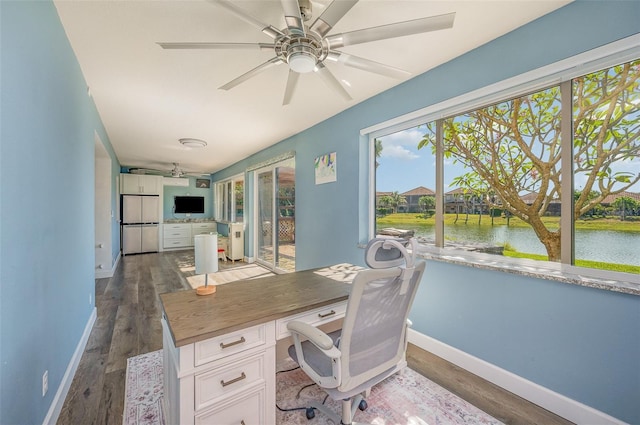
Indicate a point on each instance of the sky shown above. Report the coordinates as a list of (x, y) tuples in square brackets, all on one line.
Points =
[(403, 167)]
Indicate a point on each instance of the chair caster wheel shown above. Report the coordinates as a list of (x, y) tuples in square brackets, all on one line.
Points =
[(363, 405), (310, 413)]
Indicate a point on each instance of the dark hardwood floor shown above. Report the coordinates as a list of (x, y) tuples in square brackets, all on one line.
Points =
[(128, 324)]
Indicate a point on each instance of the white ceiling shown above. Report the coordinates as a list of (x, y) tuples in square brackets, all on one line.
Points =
[(148, 98)]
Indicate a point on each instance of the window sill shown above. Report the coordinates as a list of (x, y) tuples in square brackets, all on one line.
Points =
[(599, 279)]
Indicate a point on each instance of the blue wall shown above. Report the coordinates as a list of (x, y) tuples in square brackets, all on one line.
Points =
[(46, 207), (191, 190), (580, 342)]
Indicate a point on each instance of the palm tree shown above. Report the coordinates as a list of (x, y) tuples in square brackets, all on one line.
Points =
[(397, 200), (378, 150)]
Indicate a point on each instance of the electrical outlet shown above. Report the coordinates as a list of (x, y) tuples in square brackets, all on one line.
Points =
[(45, 383), (90, 298)]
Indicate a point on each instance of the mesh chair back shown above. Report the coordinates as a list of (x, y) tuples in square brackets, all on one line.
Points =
[(374, 330)]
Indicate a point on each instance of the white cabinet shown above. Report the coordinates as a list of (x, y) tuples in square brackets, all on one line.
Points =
[(236, 241), (138, 238), (229, 379), (202, 229), (182, 235), (137, 184), (149, 233), (176, 235)]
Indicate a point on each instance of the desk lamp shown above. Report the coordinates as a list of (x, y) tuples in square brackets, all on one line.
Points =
[(206, 256)]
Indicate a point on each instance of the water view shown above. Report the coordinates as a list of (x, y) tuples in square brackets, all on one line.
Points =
[(594, 245)]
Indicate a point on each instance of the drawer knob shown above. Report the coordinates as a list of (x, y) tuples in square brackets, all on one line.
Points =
[(234, 380), (231, 344), (322, 316)]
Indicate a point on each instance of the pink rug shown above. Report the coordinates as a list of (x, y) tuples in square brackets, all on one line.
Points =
[(143, 390), (406, 398)]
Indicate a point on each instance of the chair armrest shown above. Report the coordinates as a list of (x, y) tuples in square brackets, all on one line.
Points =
[(313, 334)]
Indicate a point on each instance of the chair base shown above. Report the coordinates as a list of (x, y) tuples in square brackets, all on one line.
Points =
[(349, 408)]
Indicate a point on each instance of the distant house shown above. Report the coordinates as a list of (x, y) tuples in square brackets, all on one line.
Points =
[(554, 205), (610, 199), (461, 200), (381, 194), (413, 196)]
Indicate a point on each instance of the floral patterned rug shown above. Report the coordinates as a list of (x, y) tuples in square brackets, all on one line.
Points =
[(143, 390), (406, 398)]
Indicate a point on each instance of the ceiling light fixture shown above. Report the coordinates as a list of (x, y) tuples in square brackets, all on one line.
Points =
[(301, 62), (193, 143)]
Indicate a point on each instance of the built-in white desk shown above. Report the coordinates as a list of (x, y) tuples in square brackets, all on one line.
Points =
[(219, 350)]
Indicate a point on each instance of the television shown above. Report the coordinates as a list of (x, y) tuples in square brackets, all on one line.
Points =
[(188, 204)]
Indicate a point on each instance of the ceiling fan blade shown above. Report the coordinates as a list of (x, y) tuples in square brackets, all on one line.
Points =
[(332, 81), (247, 17), (331, 15), (292, 82), (292, 16), (255, 71), (196, 45), (367, 65), (399, 29)]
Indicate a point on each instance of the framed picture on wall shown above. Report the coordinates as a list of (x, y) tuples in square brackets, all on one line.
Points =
[(325, 167), (203, 183)]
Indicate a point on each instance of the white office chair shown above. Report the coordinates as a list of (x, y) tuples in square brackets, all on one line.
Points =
[(372, 343)]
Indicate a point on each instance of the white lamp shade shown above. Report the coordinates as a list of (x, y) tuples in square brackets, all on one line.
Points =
[(206, 253)]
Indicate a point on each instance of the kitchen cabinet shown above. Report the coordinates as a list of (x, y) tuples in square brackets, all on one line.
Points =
[(202, 229), (138, 238), (140, 184), (182, 235), (176, 235)]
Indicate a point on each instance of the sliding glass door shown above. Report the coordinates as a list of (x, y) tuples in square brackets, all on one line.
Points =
[(275, 216)]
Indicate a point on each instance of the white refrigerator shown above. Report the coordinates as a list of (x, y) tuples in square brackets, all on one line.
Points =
[(140, 223)]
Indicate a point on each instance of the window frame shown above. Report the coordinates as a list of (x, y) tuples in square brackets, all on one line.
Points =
[(559, 74), (225, 209)]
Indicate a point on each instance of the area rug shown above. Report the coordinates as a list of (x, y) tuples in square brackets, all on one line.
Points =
[(406, 398), (144, 390)]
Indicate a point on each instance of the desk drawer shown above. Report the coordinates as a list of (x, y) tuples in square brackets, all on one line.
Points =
[(248, 409), (228, 381), (228, 344), (315, 317)]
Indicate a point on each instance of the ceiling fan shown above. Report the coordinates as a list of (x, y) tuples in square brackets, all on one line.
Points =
[(176, 171), (305, 48)]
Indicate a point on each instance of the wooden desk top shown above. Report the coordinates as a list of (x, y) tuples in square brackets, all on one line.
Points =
[(244, 303)]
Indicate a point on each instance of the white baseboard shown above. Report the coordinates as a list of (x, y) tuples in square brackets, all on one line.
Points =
[(108, 273), (554, 402), (63, 389)]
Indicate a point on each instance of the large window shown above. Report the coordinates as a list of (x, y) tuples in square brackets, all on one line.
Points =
[(516, 175), (229, 200)]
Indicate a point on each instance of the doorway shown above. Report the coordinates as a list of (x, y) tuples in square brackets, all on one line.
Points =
[(102, 211), (275, 216)]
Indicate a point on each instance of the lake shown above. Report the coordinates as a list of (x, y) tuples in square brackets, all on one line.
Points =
[(595, 245)]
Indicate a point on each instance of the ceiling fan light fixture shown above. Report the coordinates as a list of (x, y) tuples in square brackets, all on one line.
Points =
[(193, 143), (301, 59)]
